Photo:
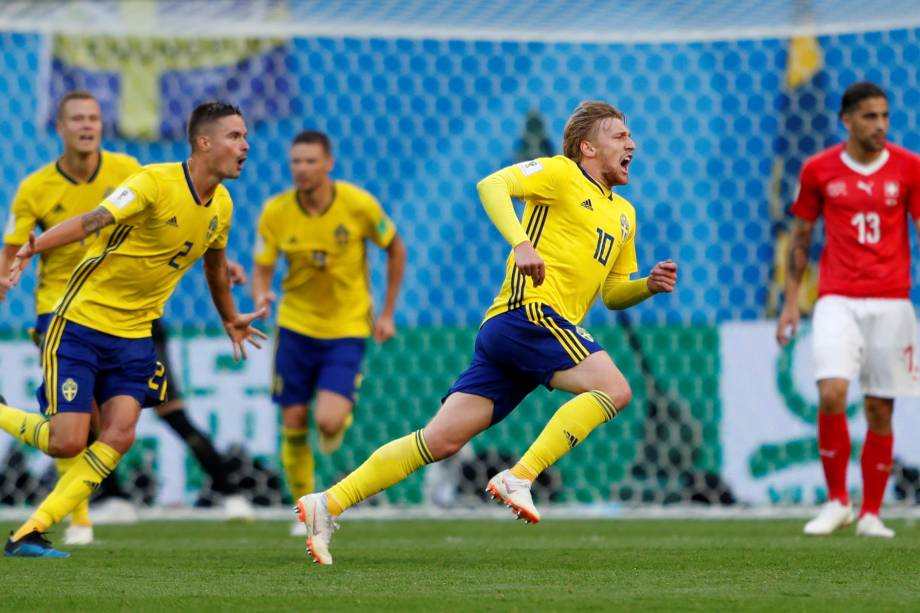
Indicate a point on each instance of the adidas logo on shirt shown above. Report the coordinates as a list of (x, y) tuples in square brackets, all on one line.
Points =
[(587, 204), (58, 208), (571, 438), (172, 221)]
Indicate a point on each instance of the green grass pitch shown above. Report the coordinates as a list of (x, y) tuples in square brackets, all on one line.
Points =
[(475, 565)]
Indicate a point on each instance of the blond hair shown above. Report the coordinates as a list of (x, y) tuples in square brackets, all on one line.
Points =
[(583, 125)]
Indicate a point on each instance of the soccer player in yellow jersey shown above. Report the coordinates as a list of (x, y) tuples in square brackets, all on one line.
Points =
[(153, 227), (325, 316), (72, 185), (577, 240)]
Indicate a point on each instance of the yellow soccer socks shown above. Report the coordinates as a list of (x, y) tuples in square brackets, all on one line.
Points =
[(387, 466), (297, 460), (95, 464), (29, 428), (570, 425), (80, 514)]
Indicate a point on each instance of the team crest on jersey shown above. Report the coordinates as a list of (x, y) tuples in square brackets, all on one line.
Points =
[(624, 227), (319, 258), (212, 227), (892, 191), (836, 189), (69, 388), (342, 235)]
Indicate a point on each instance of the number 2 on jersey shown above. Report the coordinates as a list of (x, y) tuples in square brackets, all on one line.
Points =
[(868, 227), (183, 253)]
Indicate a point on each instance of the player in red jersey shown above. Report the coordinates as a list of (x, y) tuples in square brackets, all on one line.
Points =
[(864, 322)]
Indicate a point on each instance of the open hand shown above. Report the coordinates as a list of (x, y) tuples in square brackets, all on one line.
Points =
[(240, 331)]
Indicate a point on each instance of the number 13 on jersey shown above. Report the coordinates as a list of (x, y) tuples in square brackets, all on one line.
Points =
[(868, 227)]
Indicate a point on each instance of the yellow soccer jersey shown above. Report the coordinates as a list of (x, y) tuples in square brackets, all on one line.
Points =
[(580, 228), (326, 288), (49, 196), (131, 270)]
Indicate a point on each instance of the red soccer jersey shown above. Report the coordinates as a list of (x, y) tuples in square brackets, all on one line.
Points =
[(867, 248)]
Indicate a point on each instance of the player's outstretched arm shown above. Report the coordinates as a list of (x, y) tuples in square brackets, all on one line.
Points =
[(385, 325), (621, 292), (238, 325), (796, 262), (67, 232)]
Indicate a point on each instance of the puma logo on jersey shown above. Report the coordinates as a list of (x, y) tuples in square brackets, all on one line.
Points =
[(866, 186), (587, 204), (172, 221)]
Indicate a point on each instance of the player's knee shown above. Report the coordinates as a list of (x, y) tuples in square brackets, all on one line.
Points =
[(832, 399), (118, 439), (294, 416), (65, 446), (619, 393), (443, 446), (878, 417), (329, 424)]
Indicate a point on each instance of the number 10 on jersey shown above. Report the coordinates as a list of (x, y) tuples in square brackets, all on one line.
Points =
[(603, 247)]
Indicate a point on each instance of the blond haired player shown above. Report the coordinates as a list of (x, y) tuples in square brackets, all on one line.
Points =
[(577, 240)]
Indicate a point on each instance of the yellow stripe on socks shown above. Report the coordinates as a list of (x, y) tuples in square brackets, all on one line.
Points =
[(80, 514), (570, 425), (297, 460), (78, 483), (29, 428), (387, 466)]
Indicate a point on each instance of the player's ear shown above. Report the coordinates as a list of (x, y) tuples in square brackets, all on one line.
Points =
[(587, 149)]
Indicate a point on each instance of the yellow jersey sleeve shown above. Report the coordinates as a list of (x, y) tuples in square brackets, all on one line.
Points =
[(626, 262), (378, 226), (132, 196), (23, 218), (266, 253), (536, 181)]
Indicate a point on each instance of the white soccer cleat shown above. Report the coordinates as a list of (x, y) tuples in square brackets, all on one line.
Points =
[(833, 515), (313, 511), (78, 535), (514, 493), (298, 529), (330, 444), (871, 525), (114, 511), (238, 508)]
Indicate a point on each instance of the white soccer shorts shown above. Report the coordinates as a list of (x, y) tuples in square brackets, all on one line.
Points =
[(875, 338)]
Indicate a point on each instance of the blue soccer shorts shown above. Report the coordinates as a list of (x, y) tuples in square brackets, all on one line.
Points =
[(518, 350), (304, 364), (81, 364)]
